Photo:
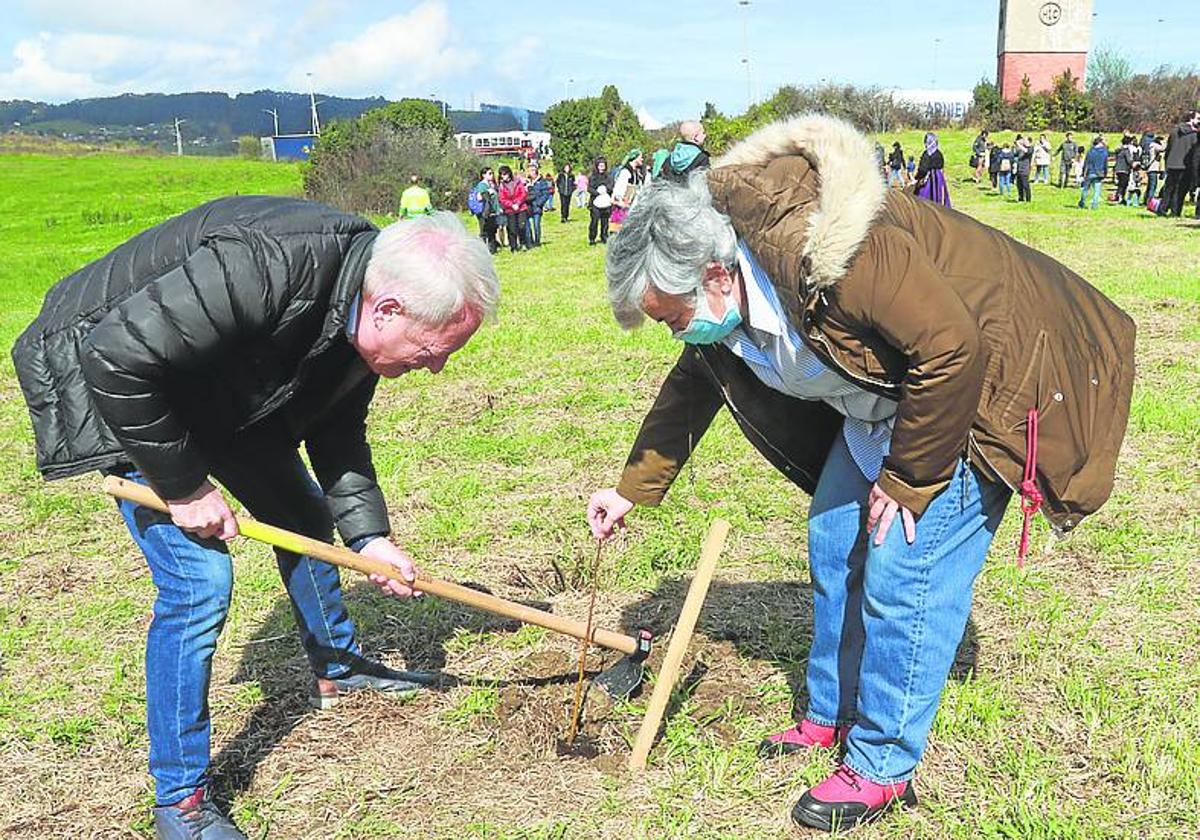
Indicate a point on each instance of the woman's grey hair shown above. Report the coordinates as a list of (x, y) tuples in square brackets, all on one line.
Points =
[(435, 267), (671, 233)]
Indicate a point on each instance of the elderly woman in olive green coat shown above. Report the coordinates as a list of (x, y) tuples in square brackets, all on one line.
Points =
[(899, 360)]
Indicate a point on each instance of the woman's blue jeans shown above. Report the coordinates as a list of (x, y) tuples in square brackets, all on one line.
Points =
[(888, 619), (1005, 183), (194, 578)]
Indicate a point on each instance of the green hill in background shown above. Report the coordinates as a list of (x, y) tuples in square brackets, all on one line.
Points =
[(213, 119)]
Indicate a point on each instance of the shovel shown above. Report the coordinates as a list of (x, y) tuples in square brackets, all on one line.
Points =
[(621, 680)]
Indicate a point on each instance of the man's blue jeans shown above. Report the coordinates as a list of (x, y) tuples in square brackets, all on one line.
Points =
[(194, 578), (888, 619), (1005, 183), (1096, 185)]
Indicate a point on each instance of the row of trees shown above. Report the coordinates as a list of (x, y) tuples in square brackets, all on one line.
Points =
[(1116, 99), (582, 129), (607, 125)]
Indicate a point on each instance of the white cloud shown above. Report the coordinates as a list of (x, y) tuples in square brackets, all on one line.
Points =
[(33, 76), (73, 65), (397, 56)]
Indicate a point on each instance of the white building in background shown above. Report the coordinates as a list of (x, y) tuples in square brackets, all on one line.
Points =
[(648, 120), (947, 104)]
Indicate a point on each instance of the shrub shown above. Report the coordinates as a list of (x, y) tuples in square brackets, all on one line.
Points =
[(369, 165)]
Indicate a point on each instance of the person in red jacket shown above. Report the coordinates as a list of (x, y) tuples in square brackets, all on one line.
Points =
[(514, 201)]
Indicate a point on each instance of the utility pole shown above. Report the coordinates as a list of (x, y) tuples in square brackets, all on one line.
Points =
[(936, 43), (745, 4), (567, 88), (178, 137), (274, 116), (312, 102)]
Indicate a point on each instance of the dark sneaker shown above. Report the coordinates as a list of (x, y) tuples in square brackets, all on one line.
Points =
[(805, 735), (846, 799), (194, 818), (366, 675)]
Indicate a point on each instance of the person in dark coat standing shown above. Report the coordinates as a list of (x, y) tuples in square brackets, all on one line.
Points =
[(1067, 150), (1123, 166), (1022, 160), (600, 201), (565, 184), (209, 348), (1180, 143)]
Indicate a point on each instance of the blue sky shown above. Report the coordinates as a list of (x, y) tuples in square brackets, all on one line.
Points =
[(532, 54)]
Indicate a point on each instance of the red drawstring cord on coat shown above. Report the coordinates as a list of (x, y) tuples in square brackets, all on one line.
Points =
[(1031, 496)]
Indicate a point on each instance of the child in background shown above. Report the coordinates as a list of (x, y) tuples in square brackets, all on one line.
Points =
[(1077, 169), (912, 169), (1005, 156), (1133, 192), (581, 190)]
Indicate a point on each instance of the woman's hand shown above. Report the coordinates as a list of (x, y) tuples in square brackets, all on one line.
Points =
[(882, 510), (606, 512)]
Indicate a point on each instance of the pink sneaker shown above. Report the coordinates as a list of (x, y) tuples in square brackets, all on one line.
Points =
[(846, 799), (805, 735)]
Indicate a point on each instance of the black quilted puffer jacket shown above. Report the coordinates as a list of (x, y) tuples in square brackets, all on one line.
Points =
[(192, 331)]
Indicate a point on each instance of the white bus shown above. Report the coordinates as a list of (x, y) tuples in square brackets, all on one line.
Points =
[(504, 142)]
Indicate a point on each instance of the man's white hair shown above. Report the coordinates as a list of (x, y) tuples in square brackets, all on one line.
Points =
[(435, 267), (671, 234)]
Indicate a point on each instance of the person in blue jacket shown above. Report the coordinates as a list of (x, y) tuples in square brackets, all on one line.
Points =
[(540, 193), (1095, 167)]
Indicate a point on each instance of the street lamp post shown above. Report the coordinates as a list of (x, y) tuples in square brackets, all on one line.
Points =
[(936, 43), (745, 4)]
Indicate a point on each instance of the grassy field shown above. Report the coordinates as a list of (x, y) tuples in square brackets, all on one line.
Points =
[(1073, 712)]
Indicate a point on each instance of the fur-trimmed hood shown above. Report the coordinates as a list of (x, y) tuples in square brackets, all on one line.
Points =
[(850, 194)]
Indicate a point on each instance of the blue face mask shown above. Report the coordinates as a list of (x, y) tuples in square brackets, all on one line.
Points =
[(704, 328)]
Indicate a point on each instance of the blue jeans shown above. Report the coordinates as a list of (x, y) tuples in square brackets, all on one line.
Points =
[(535, 229), (895, 177), (1151, 185), (1096, 185), (194, 578), (888, 619), (1005, 183)]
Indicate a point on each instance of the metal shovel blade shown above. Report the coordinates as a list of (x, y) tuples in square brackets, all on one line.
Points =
[(623, 680)]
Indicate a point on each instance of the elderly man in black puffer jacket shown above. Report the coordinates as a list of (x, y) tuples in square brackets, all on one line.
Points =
[(213, 345)]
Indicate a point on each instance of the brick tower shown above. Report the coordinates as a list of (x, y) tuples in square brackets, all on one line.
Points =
[(1040, 39)]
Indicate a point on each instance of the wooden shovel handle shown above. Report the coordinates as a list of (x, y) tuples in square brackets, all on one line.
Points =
[(299, 544), (680, 636)]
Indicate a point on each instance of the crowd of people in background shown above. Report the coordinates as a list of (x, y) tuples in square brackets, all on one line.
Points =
[(1159, 171), (508, 207)]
